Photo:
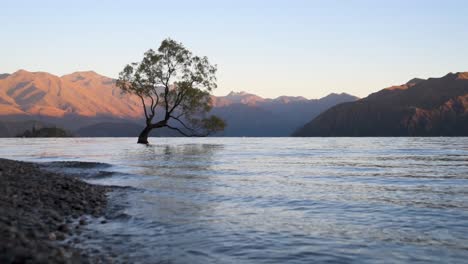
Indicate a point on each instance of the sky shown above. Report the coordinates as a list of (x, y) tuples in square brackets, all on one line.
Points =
[(267, 47)]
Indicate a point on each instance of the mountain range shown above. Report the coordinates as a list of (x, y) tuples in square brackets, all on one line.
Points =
[(432, 107), (89, 104)]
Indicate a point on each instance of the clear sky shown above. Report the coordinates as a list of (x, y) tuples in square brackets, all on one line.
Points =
[(271, 48)]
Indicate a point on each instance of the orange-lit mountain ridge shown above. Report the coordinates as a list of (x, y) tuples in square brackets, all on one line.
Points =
[(81, 93)]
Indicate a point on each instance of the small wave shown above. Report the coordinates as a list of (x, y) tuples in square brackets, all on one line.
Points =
[(102, 174), (77, 164), (81, 169)]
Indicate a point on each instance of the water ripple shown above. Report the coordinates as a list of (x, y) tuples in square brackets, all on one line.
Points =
[(272, 200)]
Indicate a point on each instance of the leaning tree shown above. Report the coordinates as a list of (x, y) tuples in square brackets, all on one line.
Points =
[(174, 87)]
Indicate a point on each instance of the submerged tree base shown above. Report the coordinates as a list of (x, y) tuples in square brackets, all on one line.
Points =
[(143, 141), (143, 137)]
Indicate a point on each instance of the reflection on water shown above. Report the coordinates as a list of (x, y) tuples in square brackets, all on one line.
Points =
[(186, 158), (261, 200)]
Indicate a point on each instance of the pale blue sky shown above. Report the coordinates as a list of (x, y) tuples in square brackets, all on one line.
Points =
[(271, 48)]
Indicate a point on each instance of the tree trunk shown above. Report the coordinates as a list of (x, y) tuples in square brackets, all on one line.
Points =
[(143, 137)]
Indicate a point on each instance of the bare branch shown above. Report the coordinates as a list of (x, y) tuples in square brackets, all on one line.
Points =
[(166, 93), (159, 124), (180, 97), (182, 132), (183, 124), (144, 106)]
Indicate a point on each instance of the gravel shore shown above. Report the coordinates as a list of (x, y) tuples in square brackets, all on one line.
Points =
[(40, 210)]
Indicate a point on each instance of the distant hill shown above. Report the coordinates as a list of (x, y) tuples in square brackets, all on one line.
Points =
[(251, 115), (86, 101), (433, 107)]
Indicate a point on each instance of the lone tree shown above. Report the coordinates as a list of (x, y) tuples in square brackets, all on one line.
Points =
[(174, 87)]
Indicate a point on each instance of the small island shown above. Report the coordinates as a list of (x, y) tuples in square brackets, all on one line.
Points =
[(45, 132)]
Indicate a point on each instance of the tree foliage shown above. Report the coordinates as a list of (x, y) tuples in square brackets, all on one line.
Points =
[(174, 87)]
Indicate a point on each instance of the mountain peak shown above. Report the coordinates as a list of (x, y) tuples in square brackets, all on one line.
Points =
[(241, 93), (462, 75), (331, 95), (83, 75), (339, 95), (414, 81), (22, 72), (289, 99), (237, 98), (87, 78), (4, 75), (457, 76), (28, 75)]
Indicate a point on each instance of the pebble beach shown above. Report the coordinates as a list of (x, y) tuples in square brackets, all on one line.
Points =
[(42, 212)]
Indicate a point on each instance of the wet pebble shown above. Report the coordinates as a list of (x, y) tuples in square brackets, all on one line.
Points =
[(83, 221), (38, 208), (52, 236)]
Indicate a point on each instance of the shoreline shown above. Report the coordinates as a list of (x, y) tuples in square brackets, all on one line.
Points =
[(42, 214)]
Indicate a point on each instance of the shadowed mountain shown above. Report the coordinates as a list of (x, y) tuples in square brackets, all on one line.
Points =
[(433, 107), (86, 101), (250, 115)]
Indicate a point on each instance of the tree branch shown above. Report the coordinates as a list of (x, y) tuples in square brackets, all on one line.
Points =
[(155, 91), (183, 124), (159, 124), (178, 101), (166, 93), (144, 106), (181, 132), (152, 104)]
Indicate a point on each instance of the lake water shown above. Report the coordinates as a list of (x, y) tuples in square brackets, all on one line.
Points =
[(272, 200)]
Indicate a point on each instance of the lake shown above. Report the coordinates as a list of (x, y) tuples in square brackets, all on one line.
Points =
[(271, 200)]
